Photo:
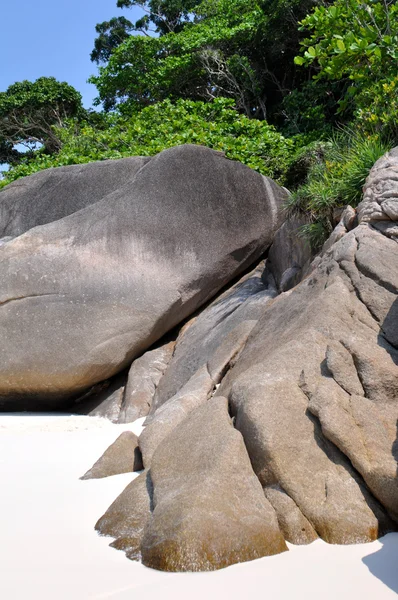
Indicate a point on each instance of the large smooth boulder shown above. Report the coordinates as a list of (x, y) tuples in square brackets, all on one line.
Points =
[(81, 297), (52, 194)]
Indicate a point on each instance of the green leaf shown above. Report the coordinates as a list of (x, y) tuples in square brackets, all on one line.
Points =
[(341, 45)]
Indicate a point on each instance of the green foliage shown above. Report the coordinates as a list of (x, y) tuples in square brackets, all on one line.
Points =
[(146, 70), (357, 41), (316, 233), (163, 125), (162, 16), (110, 35), (242, 49), (336, 181), (30, 110), (211, 75), (311, 108), (307, 156)]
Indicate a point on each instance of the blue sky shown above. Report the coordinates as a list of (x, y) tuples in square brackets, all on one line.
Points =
[(53, 38)]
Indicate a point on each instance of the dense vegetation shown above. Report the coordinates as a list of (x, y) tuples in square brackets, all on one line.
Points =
[(166, 124), (277, 84)]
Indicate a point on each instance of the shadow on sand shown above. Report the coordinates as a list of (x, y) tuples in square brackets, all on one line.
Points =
[(383, 564)]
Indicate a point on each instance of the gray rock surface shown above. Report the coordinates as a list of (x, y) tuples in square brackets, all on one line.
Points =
[(199, 507), (206, 348), (312, 388), (380, 199), (123, 456), (52, 194), (168, 416), (81, 297), (215, 336), (103, 399), (209, 510), (290, 255), (273, 416), (294, 525), (315, 391), (128, 515), (143, 379)]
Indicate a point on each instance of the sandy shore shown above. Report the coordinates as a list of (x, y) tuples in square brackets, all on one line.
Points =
[(50, 551)]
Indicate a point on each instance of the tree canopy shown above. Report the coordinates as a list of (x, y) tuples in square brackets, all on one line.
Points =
[(240, 49), (29, 111), (167, 124), (356, 42)]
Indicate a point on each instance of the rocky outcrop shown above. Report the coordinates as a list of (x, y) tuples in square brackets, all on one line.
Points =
[(206, 348), (273, 411), (212, 512), (123, 456), (311, 382), (84, 295), (209, 514), (168, 416), (315, 394)]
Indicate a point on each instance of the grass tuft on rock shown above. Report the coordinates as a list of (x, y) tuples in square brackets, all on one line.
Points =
[(336, 175)]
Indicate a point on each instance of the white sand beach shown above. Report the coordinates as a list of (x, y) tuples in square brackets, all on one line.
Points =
[(49, 549)]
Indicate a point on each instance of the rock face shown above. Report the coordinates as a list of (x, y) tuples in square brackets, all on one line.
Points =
[(294, 525), (205, 349), (53, 194), (310, 378), (289, 257), (143, 379), (380, 200), (315, 393), (273, 414), (82, 296), (315, 389), (212, 512), (123, 456), (215, 336), (209, 514), (128, 515)]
